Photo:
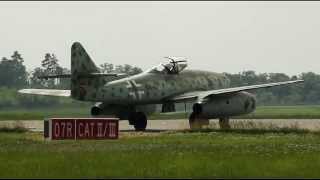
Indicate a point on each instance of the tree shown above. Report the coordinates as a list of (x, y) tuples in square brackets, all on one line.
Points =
[(106, 68), (17, 57), (126, 68), (35, 82), (12, 71), (50, 66), (64, 83), (311, 87)]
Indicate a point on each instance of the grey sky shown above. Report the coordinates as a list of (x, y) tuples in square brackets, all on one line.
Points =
[(216, 36)]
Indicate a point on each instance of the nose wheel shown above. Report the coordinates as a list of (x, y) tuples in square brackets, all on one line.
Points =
[(138, 120)]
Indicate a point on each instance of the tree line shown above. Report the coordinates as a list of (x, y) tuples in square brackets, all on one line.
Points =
[(14, 75), (307, 92)]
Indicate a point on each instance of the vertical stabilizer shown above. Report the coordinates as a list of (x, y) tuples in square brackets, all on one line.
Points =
[(81, 67), (81, 62)]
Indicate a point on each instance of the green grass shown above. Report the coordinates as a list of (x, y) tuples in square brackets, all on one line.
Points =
[(184, 154), (262, 112), (41, 113)]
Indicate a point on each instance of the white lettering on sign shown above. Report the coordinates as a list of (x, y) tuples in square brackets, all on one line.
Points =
[(86, 130), (80, 127), (56, 130), (63, 125), (112, 127), (63, 129), (92, 126), (69, 129), (105, 130), (99, 127)]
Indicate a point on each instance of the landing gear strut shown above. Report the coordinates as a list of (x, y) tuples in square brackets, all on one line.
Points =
[(224, 123), (196, 121), (138, 120)]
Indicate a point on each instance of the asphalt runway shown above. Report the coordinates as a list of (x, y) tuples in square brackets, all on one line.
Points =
[(182, 124)]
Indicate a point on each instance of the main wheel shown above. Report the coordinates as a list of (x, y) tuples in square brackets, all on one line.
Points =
[(131, 118), (140, 121)]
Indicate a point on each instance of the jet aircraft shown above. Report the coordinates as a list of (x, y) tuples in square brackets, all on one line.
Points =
[(166, 84)]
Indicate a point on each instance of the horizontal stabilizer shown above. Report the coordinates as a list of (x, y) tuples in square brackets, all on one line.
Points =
[(91, 75), (46, 92), (55, 76), (104, 75)]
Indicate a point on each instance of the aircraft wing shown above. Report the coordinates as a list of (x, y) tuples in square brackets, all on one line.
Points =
[(46, 92), (201, 95)]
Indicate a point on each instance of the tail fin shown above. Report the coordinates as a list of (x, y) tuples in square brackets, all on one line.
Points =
[(82, 66), (81, 63), (85, 76)]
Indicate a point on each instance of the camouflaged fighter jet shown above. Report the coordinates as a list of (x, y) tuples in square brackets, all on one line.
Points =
[(165, 84)]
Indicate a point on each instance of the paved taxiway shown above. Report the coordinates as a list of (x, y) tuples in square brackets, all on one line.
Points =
[(181, 124)]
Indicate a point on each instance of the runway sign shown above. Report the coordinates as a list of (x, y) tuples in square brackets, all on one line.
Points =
[(81, 128)]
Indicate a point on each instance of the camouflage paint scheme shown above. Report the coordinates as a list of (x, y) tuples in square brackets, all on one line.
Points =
[(145, 88), (164, 84)]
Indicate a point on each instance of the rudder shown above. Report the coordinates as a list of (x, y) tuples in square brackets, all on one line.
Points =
[(81, 66), (81, 62)]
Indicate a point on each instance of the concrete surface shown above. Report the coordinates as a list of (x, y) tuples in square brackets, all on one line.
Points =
[(180, 124)]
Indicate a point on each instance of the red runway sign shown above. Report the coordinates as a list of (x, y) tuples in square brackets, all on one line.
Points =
[(81, 128), (63, 128)]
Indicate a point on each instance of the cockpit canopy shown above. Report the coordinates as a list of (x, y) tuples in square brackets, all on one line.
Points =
[(174, 66)]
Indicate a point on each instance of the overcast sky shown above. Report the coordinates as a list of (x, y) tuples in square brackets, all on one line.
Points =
[(216, 36)]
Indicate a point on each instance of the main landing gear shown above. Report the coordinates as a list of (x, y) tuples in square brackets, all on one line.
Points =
[(224, 123), (196, 119), (198, 122), (138, 120)]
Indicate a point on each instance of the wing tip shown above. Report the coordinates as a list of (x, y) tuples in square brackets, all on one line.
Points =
[(22, 91), (46, 92)]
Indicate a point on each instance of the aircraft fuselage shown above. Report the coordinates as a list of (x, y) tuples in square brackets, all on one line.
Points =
[(153, 88)]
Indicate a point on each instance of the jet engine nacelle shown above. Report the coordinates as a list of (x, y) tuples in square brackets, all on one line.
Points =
[(226, 105)]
